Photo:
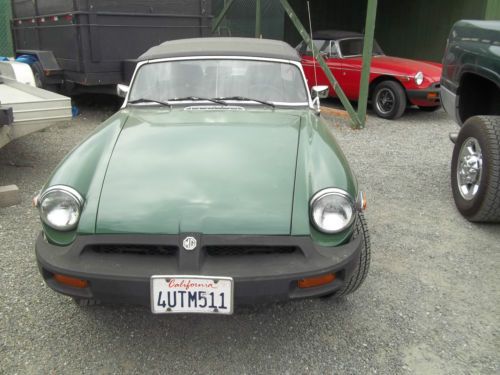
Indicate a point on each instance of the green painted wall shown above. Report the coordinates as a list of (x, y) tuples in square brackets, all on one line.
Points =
[(5, 36), (407, 28), (419, 28), (493, 10)]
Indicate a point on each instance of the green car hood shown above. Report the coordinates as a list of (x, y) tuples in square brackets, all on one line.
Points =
[(214, 172)]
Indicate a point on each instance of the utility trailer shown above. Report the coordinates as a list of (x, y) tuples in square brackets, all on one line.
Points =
[(90, 45), (24, 108)]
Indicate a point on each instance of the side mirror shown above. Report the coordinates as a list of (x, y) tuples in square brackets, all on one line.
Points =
[(316, 105), (319, 92), (122, 90)]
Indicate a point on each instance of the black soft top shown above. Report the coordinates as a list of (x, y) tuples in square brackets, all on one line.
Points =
[(248, 47), (335, 34)]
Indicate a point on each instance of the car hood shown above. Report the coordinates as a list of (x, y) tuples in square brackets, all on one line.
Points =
[(387, 64), (213, 172)]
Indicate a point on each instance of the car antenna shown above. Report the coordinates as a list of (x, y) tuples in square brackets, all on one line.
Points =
[(312, 44)]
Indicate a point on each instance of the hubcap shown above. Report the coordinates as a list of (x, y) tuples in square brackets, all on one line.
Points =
[(469, 168), (385, 100)]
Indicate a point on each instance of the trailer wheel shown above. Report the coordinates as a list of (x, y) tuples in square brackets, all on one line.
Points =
[(41, 80), (37, 69)]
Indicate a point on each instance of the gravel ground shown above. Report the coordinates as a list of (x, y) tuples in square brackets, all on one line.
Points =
[(429, 305)]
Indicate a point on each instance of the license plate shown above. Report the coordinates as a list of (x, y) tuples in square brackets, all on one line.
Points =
[(191, 294)]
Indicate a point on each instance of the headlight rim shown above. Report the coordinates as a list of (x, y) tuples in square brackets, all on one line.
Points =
[(66, 190), (332, 191), (419, 78)]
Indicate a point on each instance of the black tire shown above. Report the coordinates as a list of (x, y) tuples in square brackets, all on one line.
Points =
[(358, 275), (483, 203), (40, 78), (389, 100), (429, 109), (39, 75), (84, 302)]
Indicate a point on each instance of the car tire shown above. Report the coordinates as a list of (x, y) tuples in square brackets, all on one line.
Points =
[(429, 109), (475, 169), (84, 302), (389, 100), (359, 273)]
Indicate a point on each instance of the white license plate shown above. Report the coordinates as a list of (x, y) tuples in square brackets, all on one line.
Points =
[(191, 294)]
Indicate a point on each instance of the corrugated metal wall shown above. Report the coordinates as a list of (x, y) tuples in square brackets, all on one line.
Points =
[(5, 36), (407, 28)]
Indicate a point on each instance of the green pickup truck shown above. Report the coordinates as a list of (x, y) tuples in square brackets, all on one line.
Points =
[(470, 93)]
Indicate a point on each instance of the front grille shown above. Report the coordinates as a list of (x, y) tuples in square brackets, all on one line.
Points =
[(249, 250), (133, 249)]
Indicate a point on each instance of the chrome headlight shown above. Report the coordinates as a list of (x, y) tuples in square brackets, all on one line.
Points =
[(332, 210), (419, 78), (60, 207)]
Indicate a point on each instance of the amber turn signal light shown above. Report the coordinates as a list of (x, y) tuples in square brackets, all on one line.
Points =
[(311, 282), (362, 201), (71, 281)]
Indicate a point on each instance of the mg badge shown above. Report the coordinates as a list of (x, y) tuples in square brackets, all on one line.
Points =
[(189, 243)]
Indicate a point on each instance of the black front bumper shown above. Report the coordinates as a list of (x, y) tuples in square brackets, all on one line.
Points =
[(429, 96), (124, 277)]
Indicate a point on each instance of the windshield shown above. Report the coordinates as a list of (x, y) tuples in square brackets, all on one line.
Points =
[(220, 78), (354, 47)]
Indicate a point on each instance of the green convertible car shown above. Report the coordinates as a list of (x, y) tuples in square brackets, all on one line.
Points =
[(216, 184)]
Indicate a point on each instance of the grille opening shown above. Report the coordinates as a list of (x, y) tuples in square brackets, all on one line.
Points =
[(161, 250), (228, 250)]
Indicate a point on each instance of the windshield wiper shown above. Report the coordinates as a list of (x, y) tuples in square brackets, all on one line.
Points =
[(247, 99), (145, 100), (195, 98)]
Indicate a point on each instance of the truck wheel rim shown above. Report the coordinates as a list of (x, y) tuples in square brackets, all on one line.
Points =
[(385, 100), (469, 168)]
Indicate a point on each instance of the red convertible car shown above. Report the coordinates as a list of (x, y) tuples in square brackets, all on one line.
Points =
[(395, 83)]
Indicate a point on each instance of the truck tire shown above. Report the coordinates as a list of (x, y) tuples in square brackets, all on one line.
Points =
[(389, 100), (475, 169), (358, 275)]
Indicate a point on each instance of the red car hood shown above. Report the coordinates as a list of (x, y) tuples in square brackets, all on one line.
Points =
[(388, 64)]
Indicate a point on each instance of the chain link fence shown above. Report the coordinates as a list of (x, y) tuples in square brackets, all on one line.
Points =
[(5, 34), (240, 20)]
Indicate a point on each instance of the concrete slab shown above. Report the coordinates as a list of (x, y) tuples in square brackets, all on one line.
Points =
[(9, 196)]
